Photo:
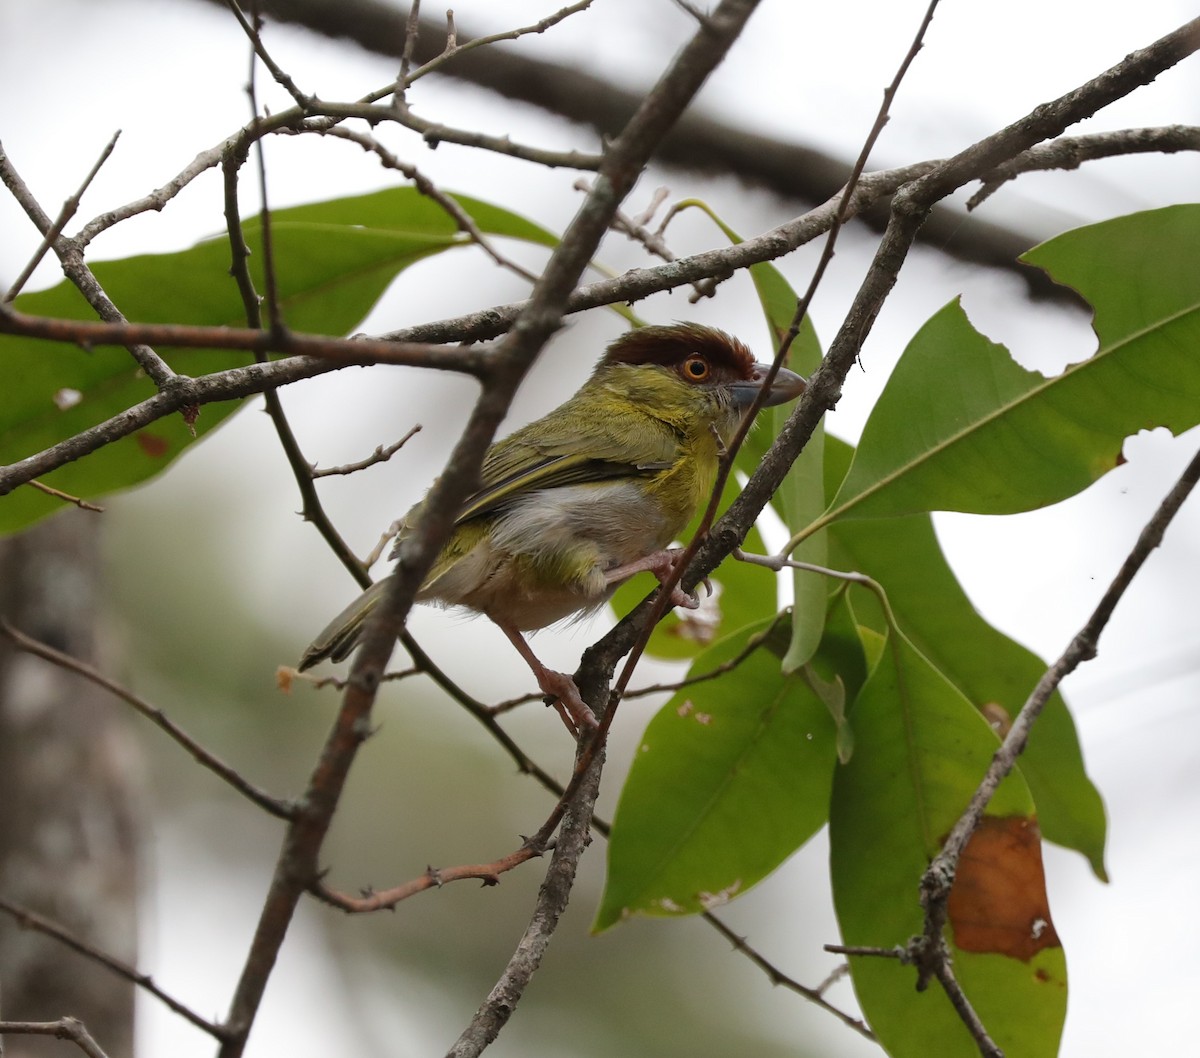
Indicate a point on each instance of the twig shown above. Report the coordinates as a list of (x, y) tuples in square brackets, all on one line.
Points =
[(654, 241), (271, 805), (380, 455), (69, 209), (254, 35), (432, 878), (1070, 152), (412, 30), (427, 187), (286, 676), (552, 900), (27, 919), (435, 133), (778, 977), (66, 496), (453, 49), (312, 510), (64, 1029), (751, 645), (70, 255)]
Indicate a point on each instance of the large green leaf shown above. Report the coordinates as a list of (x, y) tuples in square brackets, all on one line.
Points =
[(731, 777), (333, 261), (801, 496), (920, 750), (988, 667), (960, 426)]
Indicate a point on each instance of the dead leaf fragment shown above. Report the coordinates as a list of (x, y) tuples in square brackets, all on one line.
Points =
[(998, 902)]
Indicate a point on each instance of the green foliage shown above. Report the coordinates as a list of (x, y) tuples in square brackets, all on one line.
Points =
[(962, 427), (334, 260), (738, 771), (959, 426)]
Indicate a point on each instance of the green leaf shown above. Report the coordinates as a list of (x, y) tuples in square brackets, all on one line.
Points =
[(333, 259), (987, 667), (731, 777), (960, 426), (920, 750)]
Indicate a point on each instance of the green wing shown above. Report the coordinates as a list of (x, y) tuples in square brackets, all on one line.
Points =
[(570, 447), (551, 472), (567, 447)]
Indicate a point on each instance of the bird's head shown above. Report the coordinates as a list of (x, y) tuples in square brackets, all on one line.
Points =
[(686, 370)]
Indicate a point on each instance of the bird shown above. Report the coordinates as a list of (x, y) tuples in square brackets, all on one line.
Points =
[(575, 503)]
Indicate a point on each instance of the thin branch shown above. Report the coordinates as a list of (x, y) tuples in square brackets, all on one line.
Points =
[(225, 385), (427, 187), (312, 510), (655, 242), (27, 919), (453, 49), (67, 1028), (412, 30), (271, 805), (435, 133), (281, 77), (552, 899), (778, 977), (1070, 152), (749, 647), (286, 676), (65, 496), (380, 455), (69, 209), (432, 878), (70, 255), (525, 764)]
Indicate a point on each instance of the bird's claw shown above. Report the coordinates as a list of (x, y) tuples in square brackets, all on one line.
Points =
[(564, 697)]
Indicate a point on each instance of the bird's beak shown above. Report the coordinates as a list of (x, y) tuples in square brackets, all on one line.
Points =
[(787, 385)]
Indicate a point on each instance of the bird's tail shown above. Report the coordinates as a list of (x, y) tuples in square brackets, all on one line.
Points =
[(340, 636)]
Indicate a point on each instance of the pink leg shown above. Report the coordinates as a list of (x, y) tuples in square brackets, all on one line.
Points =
[(570, 706), (662, 565)]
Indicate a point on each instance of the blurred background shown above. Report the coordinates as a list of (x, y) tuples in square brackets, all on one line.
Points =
[(212, 580)]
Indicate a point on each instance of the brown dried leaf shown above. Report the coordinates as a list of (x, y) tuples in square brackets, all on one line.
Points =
[(998, 902)]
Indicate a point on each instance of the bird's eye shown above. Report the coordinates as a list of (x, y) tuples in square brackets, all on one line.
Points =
[(695, 368)]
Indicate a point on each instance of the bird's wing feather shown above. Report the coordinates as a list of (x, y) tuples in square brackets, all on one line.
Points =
[(536, 468), (565, 448)]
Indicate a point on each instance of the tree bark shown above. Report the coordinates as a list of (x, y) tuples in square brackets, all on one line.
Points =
[(68, 832)]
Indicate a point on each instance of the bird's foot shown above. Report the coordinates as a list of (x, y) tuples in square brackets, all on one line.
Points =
[(662, 564), (559, 688), (564, 697)]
